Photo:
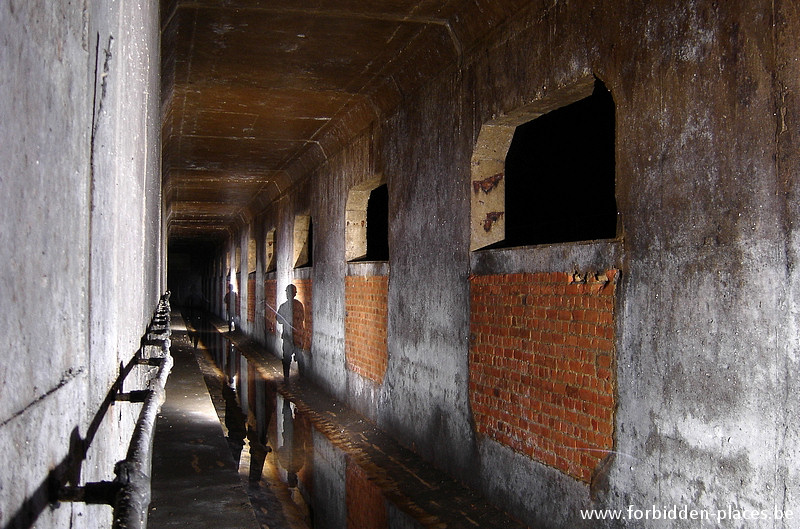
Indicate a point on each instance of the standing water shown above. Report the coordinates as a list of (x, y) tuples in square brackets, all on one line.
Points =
[(311, 463)]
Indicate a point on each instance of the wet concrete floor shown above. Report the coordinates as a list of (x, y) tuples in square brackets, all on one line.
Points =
[(194, 476), (284, 454)]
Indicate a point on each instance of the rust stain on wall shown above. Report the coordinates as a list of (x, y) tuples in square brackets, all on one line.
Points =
[(491, 218), (488, 183)]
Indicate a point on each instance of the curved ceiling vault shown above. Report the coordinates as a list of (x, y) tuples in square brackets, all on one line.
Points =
[(257, 93)]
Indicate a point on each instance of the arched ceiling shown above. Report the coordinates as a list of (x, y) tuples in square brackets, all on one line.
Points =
[(257, 93)]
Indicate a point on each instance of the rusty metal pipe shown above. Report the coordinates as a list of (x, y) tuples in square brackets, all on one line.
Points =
[(133, 499)]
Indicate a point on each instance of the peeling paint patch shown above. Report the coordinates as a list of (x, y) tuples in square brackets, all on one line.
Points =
[(488, 183), (491, 218)]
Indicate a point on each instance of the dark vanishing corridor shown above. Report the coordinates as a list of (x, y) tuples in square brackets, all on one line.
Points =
[(535, 260)]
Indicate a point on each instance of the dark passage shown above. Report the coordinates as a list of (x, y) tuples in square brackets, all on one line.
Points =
[(560, 175), (378, 224)]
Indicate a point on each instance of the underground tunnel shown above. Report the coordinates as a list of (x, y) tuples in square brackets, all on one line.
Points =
[(526, 263)]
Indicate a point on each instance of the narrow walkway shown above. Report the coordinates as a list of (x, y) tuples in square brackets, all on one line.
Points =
[(195, 482)]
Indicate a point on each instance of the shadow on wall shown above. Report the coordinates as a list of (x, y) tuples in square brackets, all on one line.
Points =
[(62, 483), (68, 471)]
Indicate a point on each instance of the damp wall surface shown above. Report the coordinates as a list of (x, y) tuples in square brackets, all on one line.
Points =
[(80, 238), (705, 318)]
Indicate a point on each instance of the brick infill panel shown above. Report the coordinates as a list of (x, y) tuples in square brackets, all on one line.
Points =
[(366, 321), (303, 322), (270, 306), (542, 365), (251, 298)]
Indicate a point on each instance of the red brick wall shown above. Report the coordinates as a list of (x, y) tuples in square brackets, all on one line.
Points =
[(366, 305), (303, 323), (366, 507), (541, 365), (251, 297), (239, 295), (270, 305)]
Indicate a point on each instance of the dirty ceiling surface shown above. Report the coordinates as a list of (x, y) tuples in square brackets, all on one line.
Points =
[(258, 93)]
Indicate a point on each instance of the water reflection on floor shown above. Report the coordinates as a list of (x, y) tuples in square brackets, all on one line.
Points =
[(297, 478), (268, 437), (311, 463)]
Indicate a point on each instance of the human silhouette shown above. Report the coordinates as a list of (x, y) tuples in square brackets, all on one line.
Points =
[(290, 316), (230, 307)]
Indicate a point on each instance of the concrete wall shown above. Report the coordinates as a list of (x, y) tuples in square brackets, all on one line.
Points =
[(80, 242), (706, 322)]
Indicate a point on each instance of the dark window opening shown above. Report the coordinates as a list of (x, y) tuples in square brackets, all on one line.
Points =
[(270, 262), (560, 175), (378, 225), (310, 261)]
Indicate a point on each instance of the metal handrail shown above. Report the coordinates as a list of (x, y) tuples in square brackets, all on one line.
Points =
[(133, 474), (129, 493), (133, 498)]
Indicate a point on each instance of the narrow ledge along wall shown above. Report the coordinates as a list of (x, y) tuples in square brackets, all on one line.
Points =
[(693, 358)]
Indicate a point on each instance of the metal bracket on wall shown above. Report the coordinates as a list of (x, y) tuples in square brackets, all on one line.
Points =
[(98, 493), (138, 395)]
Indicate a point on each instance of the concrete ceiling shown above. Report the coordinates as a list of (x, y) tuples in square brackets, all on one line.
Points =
[(257, 93)]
